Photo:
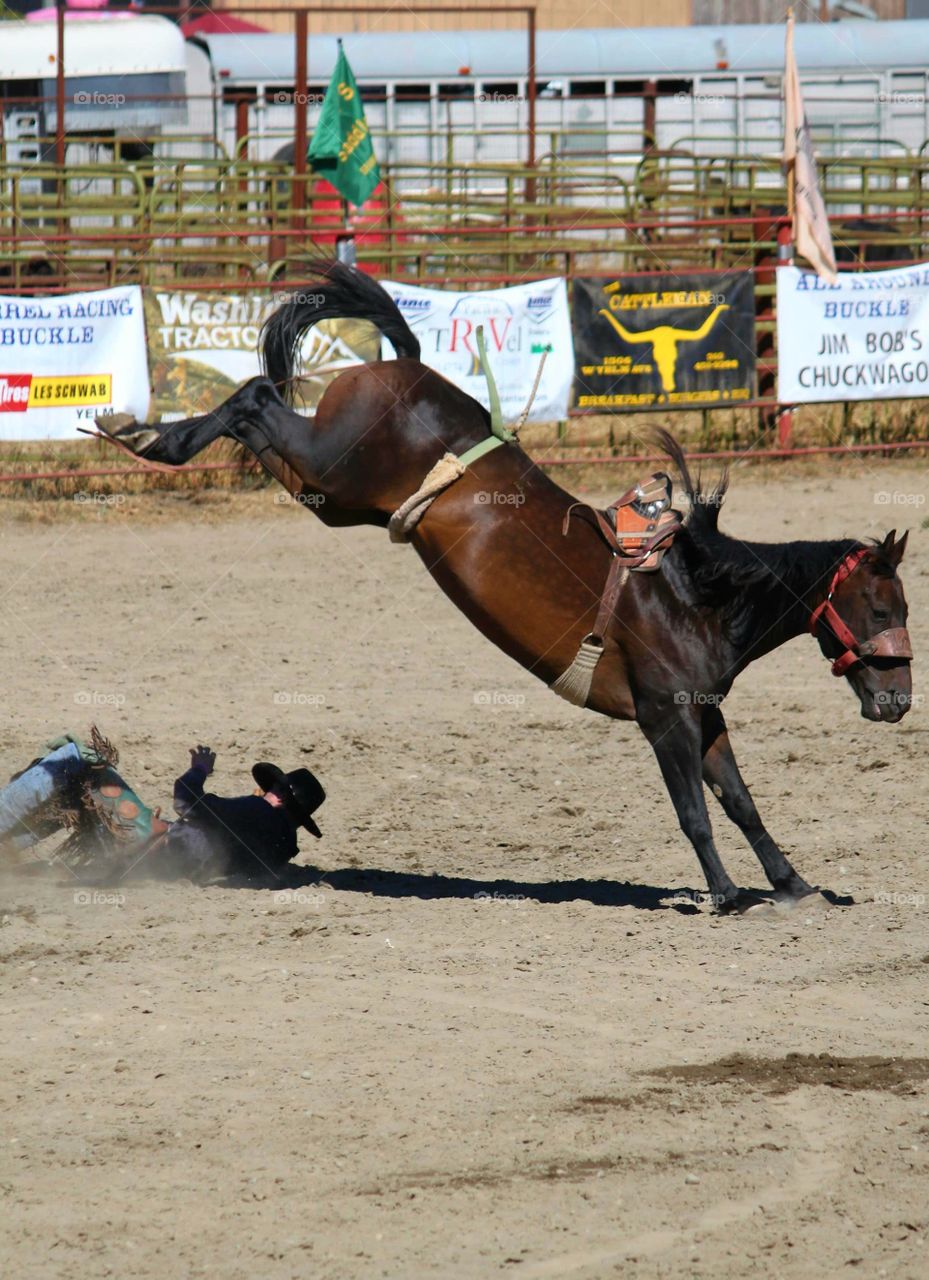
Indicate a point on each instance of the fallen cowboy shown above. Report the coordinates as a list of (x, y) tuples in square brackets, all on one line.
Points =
[(75, 787)]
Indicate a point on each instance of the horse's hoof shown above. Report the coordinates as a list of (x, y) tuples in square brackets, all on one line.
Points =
[(112, 423), (138, 441), (748, 903), (812, 902), (126, 430), (764, 910)]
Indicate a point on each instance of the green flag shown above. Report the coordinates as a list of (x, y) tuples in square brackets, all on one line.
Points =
[(341, 147)]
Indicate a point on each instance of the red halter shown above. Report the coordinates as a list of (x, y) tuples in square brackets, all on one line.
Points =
[(894, 643)]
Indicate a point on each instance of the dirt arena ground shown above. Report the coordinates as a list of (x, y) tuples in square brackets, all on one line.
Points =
[(478, 1033)]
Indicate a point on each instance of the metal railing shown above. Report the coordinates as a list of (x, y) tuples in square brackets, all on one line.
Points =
[(233, 226), (218, 220)]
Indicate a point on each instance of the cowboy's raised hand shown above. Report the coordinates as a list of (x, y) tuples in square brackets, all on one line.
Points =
[(202, 757)]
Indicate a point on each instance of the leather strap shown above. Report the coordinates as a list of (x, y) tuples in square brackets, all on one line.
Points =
[(615, 541), (615, 581), (892, 643), (606, 529)]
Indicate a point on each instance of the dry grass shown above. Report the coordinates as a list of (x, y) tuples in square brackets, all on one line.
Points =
[(261, 501), (77, 456), (624, 434), (599, 436)]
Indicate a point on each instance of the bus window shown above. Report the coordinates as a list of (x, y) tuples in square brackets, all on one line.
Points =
[(587, 88), (412, 92)]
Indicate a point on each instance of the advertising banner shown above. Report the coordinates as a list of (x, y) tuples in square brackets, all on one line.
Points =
[(681, 341), (204, 345), (520, 324), (864, 338), (65, 359)]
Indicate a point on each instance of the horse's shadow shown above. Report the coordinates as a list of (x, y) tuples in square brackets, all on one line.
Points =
[(379, 882), (382, 883), (410, 884)]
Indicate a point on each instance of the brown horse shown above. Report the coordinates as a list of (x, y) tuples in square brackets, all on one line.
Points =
[(493, 541)]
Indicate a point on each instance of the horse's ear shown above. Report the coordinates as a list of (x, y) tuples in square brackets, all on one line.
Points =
[(889, 553), (895, 554)]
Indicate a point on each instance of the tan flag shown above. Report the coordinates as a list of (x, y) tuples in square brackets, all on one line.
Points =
[(812, 236)]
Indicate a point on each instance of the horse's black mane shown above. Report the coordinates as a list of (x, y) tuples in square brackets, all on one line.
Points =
[(735, 575)]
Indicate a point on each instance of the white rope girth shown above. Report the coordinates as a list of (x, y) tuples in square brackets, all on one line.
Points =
[(408, 515)]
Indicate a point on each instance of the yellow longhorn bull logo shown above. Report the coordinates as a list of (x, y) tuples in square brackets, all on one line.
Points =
[(665, 339)]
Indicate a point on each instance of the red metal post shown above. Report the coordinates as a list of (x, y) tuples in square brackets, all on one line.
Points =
[(649, 116), (531, 87), (241, 126), (60, 88), (241, 155), (785, 427), (301, 95), (532, 92)]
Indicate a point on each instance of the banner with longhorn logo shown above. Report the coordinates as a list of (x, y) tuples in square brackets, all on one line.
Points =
[(204, 345), (521, 325), (664, 341)]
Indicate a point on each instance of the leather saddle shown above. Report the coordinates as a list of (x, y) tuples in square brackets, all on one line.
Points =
[(638, 527)]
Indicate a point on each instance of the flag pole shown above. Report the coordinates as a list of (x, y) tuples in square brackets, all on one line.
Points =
[(345, 243), (785, 234)]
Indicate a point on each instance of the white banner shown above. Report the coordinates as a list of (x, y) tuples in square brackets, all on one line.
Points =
[(864, 338), (520, 324), (64, 359)]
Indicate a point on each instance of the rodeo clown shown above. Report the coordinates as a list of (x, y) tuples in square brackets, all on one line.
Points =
[(75, 786)]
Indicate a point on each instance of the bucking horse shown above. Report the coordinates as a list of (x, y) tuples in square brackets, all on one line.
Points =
[(551, 583)]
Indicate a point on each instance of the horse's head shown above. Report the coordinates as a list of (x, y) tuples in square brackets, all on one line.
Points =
[(861, 628)]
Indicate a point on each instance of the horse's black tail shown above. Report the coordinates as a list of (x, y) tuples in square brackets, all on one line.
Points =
[(704, 507), (337, 292)]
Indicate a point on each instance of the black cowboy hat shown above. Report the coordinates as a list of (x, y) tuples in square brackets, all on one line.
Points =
[(301, 790)]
